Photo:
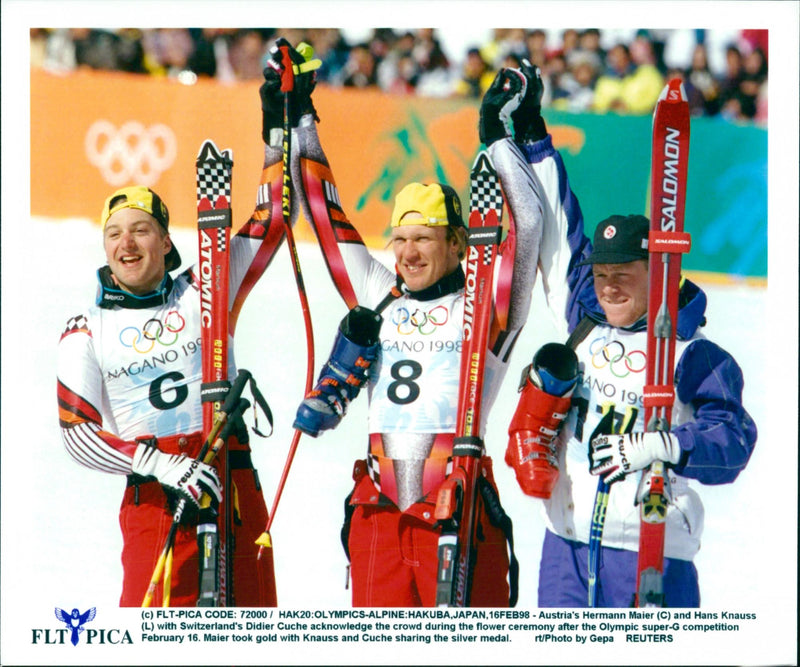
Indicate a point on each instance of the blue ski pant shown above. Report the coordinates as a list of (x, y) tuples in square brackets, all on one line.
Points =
[(563, 576)]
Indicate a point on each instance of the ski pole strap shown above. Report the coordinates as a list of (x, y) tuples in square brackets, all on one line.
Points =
[(393, 294), (580, 331), (287, 75), (229, 395), (498, 518), (260, 402)]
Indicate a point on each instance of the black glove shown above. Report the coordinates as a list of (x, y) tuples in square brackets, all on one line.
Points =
[(528, 122), (499, 102), (305, 79)]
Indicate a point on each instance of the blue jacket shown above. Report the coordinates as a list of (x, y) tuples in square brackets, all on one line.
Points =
[(718, 441)]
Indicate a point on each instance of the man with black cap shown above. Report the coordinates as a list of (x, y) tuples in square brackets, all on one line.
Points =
[(129, 374), (402, 338), (598, 294)]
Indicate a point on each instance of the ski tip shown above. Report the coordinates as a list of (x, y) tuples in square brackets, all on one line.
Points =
[(483, 163), (674, 91), (210, 153)]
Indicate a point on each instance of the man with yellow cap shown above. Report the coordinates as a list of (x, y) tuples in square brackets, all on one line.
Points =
[(402, 337), (129, 376)]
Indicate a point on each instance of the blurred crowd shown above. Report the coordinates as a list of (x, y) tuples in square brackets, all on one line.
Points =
[(586, 70)]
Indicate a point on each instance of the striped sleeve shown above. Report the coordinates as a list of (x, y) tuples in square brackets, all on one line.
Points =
[(79, 393), (100, 450)]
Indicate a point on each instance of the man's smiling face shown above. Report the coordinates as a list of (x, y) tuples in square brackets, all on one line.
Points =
[(423, 254), (136, 246)]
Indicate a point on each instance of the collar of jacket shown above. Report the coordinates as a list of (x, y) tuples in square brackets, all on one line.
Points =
[(452, 282), (110, 295)]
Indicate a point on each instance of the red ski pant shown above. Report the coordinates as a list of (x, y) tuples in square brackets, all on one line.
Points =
[(145, 520), (393, 554)]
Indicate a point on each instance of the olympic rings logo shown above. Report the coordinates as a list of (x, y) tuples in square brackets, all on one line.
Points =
[(132, 153), (613, 355), (419, 320), (154, 331)]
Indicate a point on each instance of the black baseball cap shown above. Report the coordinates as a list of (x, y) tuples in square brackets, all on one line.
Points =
[(619, 239)]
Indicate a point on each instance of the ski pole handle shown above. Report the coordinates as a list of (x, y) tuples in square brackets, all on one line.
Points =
[(236, 391), (226, 430), (287, 75), (222, 417)]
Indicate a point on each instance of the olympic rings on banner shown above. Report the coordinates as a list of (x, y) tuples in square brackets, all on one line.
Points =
[(155, 331), (614, 356), (131, 153), (419, 320)]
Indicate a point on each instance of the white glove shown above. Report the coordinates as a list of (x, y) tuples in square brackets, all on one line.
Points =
[(614, 456), (189, 477)]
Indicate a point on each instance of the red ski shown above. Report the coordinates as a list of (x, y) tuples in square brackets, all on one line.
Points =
[(457, 498), (667, 243), (214, 230)]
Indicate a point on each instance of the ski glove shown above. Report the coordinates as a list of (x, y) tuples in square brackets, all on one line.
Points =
[(614, 456), (527, 117), (188, 477), (500, 101), (305, 79)]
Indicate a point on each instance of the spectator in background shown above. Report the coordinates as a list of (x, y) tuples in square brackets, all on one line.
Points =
[(700, 78), (331, 48), (434, 65), (210, 55), (589, 42), (627, 87), (754, 74), (476, 76), (414, 62), (536, 47), (578, 82), (398, 72), (556, 76), (733, 74), (67, 49), (167, 51), (360, 70), (570, 40), (246, 54)]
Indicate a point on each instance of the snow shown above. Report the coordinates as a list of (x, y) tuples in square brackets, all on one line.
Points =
[(63, 518)]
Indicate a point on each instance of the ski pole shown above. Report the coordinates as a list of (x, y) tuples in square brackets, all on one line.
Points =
[(165, 559), (287, 86), (606, 425), (224, 421)]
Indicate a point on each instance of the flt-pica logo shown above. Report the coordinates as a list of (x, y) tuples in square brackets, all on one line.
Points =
[(74, 623)]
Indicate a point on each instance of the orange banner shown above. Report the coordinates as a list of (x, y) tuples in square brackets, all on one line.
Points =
[(93, 132)]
